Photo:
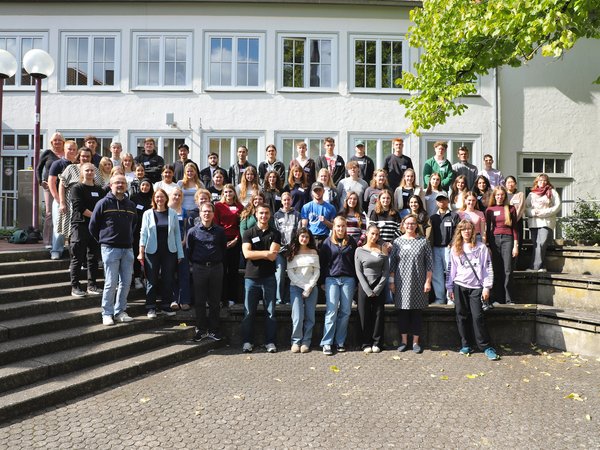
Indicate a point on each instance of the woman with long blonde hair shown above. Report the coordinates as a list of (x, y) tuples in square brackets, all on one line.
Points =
[(189, 185), (248, 185)]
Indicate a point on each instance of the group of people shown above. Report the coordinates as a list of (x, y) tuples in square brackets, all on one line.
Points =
[(346, 228)]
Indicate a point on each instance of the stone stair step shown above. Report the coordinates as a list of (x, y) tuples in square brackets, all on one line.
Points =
[(30, 371), (35, 292), (68, 386), (32, 279), (46, 343), (25, 254), (45, 323), (12, 267)]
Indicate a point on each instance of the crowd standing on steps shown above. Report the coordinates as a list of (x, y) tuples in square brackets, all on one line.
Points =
[(324, 230)]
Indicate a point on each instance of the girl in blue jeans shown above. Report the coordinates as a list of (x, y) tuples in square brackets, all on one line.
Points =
[(337, 269), (303, 270)]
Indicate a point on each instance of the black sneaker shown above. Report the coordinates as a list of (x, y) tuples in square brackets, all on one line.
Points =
[(486, 306), (77, 292), (199, 335)]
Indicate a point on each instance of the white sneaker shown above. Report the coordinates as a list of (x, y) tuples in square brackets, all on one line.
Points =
[(231, 303), (375, 349), (247, 347), (123, 317), (271, 348), (451, 302), (107, 320), (368, 349), (151, 314), (138, 283)]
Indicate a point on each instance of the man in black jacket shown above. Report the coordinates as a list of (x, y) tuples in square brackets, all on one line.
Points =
[(152, 162), (184, 151), (112, 224), (335, 163)]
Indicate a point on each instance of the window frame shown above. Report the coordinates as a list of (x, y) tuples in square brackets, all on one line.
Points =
[(234, 136), (280, 136), (335, 65), (379, 38), (475, 155), (159, 137), (235, 36), (189, 63), (65, 35), (19, 57), (380, 155), (112, 135)]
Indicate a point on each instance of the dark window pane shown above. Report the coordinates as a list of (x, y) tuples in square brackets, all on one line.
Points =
[(549, 165), (527, 165), (560, 166), (538, 165)]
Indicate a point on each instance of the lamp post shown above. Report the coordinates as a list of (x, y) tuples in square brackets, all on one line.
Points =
[(39, 65), (8, 67)]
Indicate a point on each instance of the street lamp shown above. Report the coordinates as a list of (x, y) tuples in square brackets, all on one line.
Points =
[(39, 65), (8, 67)]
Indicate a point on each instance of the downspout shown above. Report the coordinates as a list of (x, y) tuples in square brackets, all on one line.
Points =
[(496, 107)]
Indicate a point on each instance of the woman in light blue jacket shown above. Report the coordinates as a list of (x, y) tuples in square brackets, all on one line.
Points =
[(160, 250)]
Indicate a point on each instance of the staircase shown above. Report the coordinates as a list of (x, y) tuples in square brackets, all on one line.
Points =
[(53, 346)]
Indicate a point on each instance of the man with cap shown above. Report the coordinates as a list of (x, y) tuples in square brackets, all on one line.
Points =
[(318, 215), (365, 164), (443, 225)]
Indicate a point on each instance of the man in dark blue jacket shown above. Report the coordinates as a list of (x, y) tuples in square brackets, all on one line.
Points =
[(112, 224)]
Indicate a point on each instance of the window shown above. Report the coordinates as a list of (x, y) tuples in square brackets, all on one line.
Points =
[(18, 45), (235, 61), (286, 145), (308, 62), (90, 61), (377, 147), (472, 142), (226, 145), (162, 61), (166, 145), (104, 139), (534, 164), (378, 62)]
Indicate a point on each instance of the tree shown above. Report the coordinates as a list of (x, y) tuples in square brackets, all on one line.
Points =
[(462, 39)]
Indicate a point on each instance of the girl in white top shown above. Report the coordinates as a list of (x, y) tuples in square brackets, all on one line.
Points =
[(458, 192), (104, 167), (433, 189), (189, 185), (166, 184), (303, 269), (406, 189), (542, 207), (248, 186), (127, 164)]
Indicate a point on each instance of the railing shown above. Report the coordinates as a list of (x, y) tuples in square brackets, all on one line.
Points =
[(568, 208), (8, 205)]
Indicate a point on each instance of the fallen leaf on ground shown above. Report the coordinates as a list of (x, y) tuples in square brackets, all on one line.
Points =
[(239, 397), (588, 417), (357, 367), (525, 380), (444, 377), (198, 413), (444, 354), (183, 324), (574, 396), (545, 373), (396, 357), (334, 369), (312, 368), (471, 376), (277, 379), (144, 400)]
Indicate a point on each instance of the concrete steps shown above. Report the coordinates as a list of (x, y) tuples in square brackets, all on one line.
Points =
[(53, 346)]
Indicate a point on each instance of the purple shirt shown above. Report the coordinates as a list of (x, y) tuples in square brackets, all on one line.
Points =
[(460, 272)]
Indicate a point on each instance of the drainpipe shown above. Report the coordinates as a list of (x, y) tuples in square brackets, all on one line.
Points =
[(495, 105)]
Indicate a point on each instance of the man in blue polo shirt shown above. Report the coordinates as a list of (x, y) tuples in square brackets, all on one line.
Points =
[(318, 215)]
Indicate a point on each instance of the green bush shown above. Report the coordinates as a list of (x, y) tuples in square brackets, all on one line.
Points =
[(584, 224)]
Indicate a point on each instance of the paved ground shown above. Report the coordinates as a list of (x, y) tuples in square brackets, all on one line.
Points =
[(529, 399)]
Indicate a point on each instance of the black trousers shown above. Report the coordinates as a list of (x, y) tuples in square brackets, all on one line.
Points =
[(83, 246), (410, 321), (469, 317), (208, 284), (371, 316), (231, 266), (502, 262)]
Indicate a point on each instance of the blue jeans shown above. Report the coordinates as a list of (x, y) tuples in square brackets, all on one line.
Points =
[(254, 288), (440, 265), (283, 291), (303, 315), (118, 267), (338, 298), (181, 287), (58, 240), (540, 237)]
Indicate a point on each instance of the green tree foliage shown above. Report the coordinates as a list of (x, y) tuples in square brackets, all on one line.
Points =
[(462, 39)]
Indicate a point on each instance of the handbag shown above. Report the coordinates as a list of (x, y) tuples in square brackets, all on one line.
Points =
[(485, 305)]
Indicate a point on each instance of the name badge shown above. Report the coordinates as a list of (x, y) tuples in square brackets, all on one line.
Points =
[(215, 196), (338, 164), (146, 163), (496, 213), (233, 208), (403, 167), (406, 247), (94, 194), (281, 220), (516, 202), (139, 207), (301, 189), (307, 169), (362, 163), (375, 254), (405, 194), (242, 170), (277, 197), (255, 239), (447, 224)]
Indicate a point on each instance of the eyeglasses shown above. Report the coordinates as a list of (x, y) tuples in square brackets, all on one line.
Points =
[(410, 224)]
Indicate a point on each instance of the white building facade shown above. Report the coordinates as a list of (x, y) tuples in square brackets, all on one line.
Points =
[(216, 75)]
